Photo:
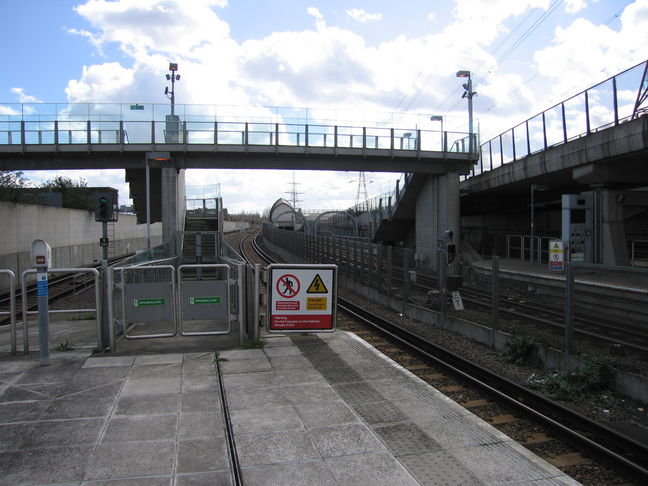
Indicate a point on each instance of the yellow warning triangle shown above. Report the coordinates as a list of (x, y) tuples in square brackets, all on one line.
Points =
[(317, 286)]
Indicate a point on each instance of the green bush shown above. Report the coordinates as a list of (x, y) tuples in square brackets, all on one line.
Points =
[(597, 375), (520, 350)]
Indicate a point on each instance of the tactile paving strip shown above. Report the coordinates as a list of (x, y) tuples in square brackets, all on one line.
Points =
[(357, 392), (382, 412), (344, 374), (439, 469), (406, 438)]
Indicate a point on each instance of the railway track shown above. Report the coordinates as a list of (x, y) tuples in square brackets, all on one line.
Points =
[(59, 287), (602, 331), (588, 451)]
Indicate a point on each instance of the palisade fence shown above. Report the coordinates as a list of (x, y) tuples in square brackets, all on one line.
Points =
[(380, 270), (392, 277)]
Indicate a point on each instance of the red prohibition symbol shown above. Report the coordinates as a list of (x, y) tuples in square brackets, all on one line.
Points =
[(288, 286)]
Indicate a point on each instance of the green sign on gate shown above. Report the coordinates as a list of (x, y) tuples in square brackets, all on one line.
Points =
[(148, 302), (204, 300)]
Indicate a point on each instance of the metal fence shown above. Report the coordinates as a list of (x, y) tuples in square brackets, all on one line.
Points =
[(394, 278)]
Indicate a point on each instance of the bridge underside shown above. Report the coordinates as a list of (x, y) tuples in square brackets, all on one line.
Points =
[(614, 158), (128, 156), (611, 164)]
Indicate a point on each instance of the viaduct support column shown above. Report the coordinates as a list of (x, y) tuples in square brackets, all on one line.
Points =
[(437, 210), (173, 202), (609, 213)]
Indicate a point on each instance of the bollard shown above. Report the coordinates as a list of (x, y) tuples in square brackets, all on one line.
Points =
[(41, 260)]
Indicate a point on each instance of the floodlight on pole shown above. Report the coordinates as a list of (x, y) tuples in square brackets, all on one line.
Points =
[(469, 93), (173, 67)]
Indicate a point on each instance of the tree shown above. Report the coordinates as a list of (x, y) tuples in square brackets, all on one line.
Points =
[(10, 183), (62, 183), (73, 192)]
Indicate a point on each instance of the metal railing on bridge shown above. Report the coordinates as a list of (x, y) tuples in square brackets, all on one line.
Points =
[(606, 104), (120, 124)]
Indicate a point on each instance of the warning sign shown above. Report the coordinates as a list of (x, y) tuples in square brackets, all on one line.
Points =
[(317, 286), (556, 255), (293, 307), (288, 286)]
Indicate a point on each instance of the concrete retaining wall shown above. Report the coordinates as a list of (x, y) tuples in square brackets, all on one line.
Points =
[(231, 226), (73, 235)]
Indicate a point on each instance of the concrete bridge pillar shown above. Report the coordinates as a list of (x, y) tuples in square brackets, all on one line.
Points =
[(614, 248), (437, 210), (173, 202)]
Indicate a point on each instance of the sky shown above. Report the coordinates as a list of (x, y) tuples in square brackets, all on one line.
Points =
[(372, 56)]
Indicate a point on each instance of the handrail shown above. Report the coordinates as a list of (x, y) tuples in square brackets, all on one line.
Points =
[(97, 309)]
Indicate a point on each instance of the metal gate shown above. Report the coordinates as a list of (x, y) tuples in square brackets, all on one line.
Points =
[(158, 301), (203, 298)]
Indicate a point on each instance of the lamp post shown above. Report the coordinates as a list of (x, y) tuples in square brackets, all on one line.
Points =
[(469, 93), (439, 118), (534, 187)]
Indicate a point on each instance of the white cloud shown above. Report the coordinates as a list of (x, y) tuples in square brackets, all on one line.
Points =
[(23, 97), (362, 15), (574, 6), (319, 18), (584, 53), (101, 83), (327, 67)]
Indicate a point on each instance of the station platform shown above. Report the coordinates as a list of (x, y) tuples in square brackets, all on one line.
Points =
[(316, 409), (620, 278)]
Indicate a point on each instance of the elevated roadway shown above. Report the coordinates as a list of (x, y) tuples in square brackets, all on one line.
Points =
[(614, 158)]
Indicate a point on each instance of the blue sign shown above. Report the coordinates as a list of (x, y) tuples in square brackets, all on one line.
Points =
[(42, 289)]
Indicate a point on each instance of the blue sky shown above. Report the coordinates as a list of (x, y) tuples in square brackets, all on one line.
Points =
[(525, 55)]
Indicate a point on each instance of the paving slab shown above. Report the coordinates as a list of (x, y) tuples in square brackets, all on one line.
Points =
[(146, 420), (306, 409)]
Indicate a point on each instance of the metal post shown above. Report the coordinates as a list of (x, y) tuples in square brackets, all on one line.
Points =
[(443, 280), (25, 314), (406, 281), (242, 318), (110, 322), (495, 264), (532, 250), (256, 322), (148, 204), (389, 272), (569, 310)]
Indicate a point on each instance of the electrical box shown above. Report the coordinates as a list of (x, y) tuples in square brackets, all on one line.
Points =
[(41, 254), (578, 227), (106, 207)]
